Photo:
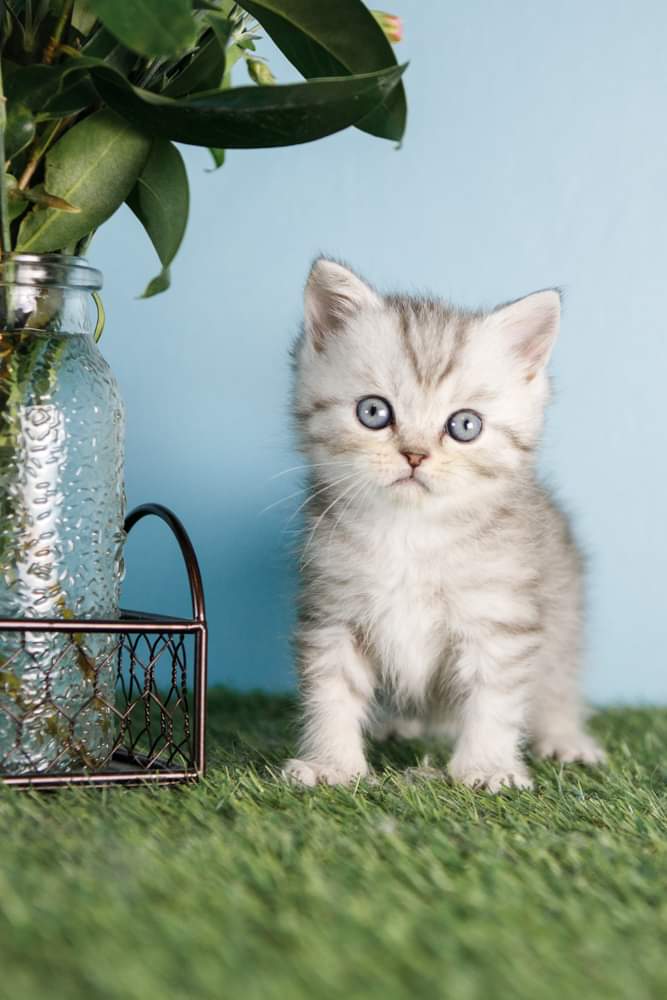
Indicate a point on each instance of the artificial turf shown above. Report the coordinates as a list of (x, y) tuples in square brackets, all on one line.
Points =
[(246, 888)]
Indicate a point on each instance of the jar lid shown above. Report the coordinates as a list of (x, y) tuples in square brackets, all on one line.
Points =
[(52, 269)]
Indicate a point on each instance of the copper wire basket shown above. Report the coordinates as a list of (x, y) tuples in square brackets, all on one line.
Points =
[(159, 710)]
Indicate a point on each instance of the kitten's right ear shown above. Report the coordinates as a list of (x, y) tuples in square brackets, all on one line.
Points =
[(333, 295), (530, 327)]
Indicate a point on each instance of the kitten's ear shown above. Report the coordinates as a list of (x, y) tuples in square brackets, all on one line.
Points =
[(333, 295), (530, 325)]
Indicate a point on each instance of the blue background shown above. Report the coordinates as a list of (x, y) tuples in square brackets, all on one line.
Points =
[(536, 155)]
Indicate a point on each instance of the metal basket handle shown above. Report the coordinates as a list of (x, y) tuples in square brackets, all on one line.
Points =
[(185, 545)]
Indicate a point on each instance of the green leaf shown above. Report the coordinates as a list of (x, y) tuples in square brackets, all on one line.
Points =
[(203, 72), (222, 25), (218, 156), (93, 166), (51, 91), (330, 38), (74, 96), (39, 196), (160, 283), (20, 129), (250, 117), (15, 205), (9, 67), (83, 17), (32, 85), (160, 200), (103, 45), (149, 27)]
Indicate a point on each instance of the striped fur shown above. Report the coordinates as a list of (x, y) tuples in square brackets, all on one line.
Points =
[(456, 595)]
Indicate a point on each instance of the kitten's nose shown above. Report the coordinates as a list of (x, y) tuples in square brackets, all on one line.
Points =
[(414, 458)]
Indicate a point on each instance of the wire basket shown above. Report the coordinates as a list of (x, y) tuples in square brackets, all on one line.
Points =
[(158, 713)]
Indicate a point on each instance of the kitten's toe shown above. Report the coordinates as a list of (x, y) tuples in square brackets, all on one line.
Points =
[(518, 777), (489, 778), (309, 773), (579, 748), (299, 772)]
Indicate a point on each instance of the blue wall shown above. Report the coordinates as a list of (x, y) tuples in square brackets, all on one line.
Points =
[(536, 154)]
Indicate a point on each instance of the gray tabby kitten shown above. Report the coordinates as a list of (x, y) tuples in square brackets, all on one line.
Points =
[(437, 574)]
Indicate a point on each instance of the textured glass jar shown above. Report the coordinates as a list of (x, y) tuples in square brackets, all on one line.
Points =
[(62, 505)]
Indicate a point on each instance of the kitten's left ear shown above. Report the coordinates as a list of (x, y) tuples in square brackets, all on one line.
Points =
[(530, 325), (333, 295)]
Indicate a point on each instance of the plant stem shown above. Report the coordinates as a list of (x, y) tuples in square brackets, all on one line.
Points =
[(54, 40), (28, 33), (39, 149), (69, 50), (5, 236), (82, 246)]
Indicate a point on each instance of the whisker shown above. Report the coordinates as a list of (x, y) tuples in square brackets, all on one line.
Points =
[(319, 519), (311, 465), (298, 493), (281, 500), (365, 488), (365, 485), (322, 489)]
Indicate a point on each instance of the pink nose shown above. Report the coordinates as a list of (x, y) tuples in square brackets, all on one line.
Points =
[(414, 458)]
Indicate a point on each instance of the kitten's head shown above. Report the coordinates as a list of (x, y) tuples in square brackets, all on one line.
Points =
[(415, 401)]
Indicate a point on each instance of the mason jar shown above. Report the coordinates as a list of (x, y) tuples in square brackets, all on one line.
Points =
[(62, 505)]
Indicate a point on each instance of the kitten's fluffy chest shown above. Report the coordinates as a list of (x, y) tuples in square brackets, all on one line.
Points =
[(410, 580)]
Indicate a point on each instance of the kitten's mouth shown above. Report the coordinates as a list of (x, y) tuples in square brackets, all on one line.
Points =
[(407, 480)]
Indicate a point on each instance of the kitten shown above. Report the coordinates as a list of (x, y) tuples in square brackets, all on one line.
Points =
[(436, 571)]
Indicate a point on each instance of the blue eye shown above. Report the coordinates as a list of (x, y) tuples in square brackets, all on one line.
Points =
[(374, 412), (464, 425)]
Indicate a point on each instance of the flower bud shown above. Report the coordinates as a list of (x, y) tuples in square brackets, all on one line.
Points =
[(260, 72), (391, 24)]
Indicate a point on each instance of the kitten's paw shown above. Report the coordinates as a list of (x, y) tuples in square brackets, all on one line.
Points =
[(579, 748), (491, 779), (309, 773)]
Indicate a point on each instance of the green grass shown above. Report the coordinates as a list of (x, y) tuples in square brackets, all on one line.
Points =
[(245, 888)]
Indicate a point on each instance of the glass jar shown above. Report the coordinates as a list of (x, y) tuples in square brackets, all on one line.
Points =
[(62, 505)]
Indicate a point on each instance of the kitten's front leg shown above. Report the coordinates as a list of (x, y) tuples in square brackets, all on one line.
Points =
[(336, 690), (492, 718)]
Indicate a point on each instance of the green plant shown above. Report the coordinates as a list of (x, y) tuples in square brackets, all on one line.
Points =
[(96, 92)]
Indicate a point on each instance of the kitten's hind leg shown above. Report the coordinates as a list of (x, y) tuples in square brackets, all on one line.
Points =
[(559, 732), (557, 720), (336, 689)]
